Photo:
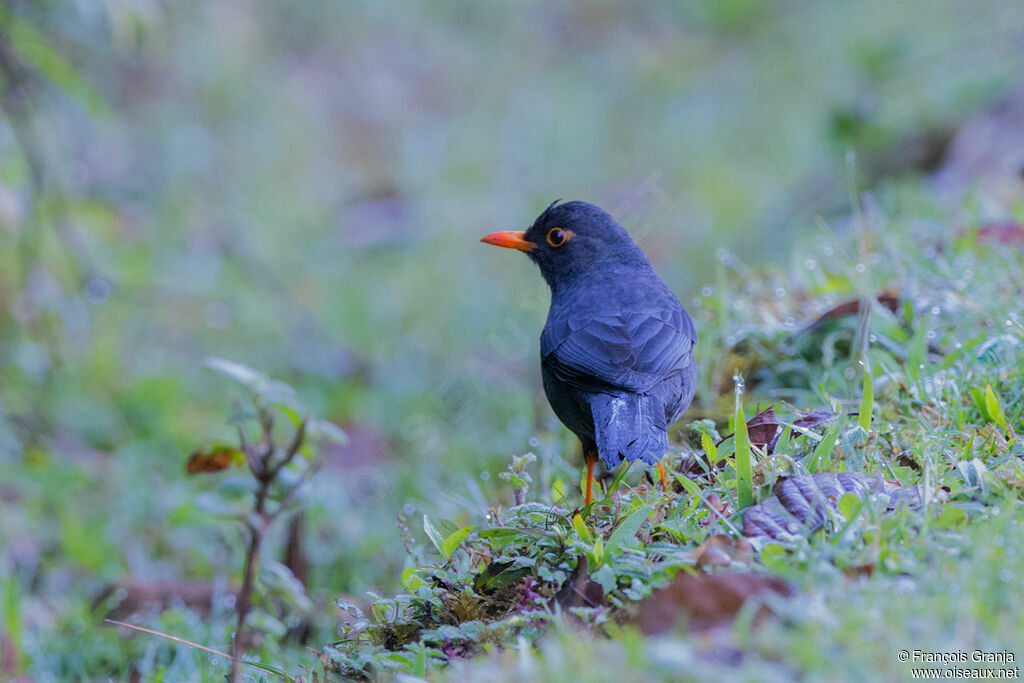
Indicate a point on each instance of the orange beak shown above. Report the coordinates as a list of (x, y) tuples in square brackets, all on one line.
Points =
[(510, 239)]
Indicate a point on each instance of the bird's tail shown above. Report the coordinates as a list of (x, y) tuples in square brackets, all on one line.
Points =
[(629, 427)]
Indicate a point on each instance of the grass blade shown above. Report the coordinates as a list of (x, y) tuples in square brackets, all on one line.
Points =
[(823, 451), (867, 398), (744, 488)]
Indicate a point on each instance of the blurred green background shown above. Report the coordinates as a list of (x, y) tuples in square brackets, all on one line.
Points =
[(302, 186)]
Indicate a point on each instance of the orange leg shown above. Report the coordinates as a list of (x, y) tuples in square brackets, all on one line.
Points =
[(591, 458), (661, 471)]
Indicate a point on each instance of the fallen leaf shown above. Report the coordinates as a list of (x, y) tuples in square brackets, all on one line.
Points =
[(764, 430), (852, 307), (720, 550), (715, 501), (904, 459), (579, 590), (859, 571), (214, 460), (802, 505), (704, 601)]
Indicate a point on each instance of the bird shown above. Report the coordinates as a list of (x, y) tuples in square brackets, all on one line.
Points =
[(617, 348)]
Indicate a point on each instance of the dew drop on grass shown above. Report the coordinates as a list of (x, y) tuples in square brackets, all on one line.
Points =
[(740, 384), (861, 267), (780, 292), (408, 509), (936, 310), (707, 290), (790, 321), (809, 264), (696, 301), (849, 373), (931, 334), (872, 338), (725, 257), (485, 476), (828, 251), (737, 305)]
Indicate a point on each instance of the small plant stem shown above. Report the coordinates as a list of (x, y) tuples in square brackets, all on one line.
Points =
[(256, 527), (265, 474)]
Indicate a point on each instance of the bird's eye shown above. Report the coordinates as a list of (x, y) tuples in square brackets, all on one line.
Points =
[(557, 237)]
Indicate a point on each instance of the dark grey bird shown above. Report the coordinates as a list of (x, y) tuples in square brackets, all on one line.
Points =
[(617, 348)]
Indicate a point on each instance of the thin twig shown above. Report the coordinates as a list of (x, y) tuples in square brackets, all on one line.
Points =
[(245, 600), (293, 448), (176, 639), (267, 439)]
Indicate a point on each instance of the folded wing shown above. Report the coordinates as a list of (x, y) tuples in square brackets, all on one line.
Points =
[(632, 349)]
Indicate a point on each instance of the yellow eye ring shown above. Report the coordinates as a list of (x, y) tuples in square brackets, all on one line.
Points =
[(557, 237)]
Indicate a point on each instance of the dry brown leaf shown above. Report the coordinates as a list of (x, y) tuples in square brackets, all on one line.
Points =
[(764, 430), (720, 550), (704, 601), (858, 571), (852, 307), (214, 460), (579, 590)]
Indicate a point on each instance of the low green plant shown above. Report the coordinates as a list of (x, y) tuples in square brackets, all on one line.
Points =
[(280, 470)]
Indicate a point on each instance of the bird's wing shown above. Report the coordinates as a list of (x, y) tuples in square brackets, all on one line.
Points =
[(632, 349)]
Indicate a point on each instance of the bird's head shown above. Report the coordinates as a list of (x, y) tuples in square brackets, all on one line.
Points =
[(569, 239)]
